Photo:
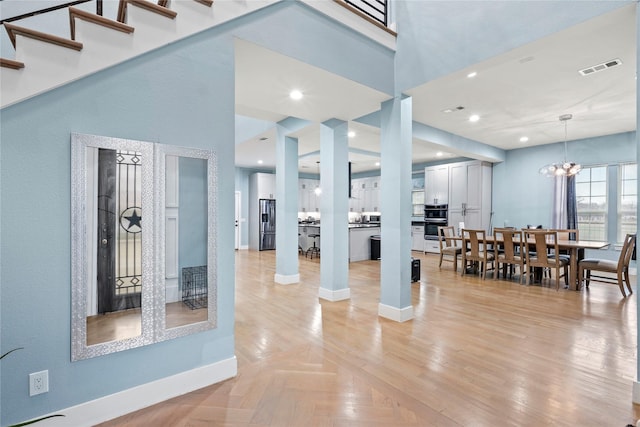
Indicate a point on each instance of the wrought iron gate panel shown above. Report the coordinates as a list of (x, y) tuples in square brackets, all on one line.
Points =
[(128, 279)]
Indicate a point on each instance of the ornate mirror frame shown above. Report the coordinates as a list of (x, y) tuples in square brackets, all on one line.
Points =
[(163, 224), (82, 260), (83, 256)]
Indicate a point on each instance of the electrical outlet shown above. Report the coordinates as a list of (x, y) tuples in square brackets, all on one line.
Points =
[(38, 383)]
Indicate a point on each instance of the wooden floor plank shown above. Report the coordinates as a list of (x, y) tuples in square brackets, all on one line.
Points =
[(478, 353)]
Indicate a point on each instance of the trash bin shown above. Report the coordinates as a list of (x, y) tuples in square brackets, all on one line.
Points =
[(375, 246), (415, 270)]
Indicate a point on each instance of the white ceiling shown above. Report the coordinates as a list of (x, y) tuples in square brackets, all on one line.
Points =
[(519, 93)]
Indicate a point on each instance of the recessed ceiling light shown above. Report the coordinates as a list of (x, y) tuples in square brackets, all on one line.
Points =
[(295, 95), (524, 139), (260, 162), (447, 110), (472, 74), (439, 154), (474, 118), (351, 134), (264, 138)]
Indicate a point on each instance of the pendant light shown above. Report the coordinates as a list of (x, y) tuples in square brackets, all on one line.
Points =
[(564, 168)]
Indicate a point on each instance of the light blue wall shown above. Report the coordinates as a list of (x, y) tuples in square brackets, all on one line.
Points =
[(522, 196), (151, 98), (183, 94), (436, 38)]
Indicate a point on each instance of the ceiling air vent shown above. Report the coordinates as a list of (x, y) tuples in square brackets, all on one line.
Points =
[(600, 67)]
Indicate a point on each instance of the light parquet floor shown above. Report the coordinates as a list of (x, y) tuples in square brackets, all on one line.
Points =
[(478, 353)]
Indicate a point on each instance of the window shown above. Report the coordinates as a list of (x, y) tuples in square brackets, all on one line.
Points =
[(627, 199), (591, 195)]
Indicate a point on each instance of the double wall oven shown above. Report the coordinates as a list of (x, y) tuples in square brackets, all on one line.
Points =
[(434, 216)]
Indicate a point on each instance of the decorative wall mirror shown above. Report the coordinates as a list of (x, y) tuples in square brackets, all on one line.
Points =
[(143, 257), (186, 295), (111, 245)]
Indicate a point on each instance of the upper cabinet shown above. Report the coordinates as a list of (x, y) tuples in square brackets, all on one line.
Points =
[(262, 186), (466, 188), (365, 195), (308, 199), (436, 185)]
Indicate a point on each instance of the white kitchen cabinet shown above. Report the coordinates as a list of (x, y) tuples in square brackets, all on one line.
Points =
[(374, 198), (470, 195), (303, 196), (308, 200), (432, 246), (360, 242), (262, 186), (436, 185), (417, 238)]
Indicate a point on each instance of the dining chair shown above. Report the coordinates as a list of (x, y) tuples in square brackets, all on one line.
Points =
[(475, 250), (449, 250), (619, 268), (545, 254), (508, 249)]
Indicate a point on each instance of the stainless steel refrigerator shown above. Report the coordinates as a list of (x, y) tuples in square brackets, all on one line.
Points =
[(267, 224)]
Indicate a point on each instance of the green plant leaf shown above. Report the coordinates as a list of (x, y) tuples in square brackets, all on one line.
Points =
[(26, 423)]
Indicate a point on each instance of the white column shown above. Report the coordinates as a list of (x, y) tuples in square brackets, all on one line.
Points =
[(395, 233), (334, 217), (286, 209)]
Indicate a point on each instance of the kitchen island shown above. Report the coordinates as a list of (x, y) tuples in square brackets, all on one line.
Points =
[(359, 239)]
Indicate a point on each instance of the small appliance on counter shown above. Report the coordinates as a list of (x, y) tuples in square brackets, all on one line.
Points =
[(374, 219)]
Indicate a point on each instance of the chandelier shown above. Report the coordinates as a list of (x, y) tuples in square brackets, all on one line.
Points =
[(564, 168)]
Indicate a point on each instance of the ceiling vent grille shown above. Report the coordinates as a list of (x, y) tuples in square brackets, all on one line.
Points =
[(600, 67)]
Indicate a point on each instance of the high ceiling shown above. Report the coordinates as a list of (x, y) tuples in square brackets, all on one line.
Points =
[(520, 93)]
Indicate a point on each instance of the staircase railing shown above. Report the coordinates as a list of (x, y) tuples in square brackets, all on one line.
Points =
[(53, 8), (375, 9)]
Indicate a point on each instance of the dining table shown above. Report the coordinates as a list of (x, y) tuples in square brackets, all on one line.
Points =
[(571, 246)]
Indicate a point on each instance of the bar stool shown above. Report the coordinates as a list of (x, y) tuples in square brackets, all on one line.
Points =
[(313, 249), (300, 250)]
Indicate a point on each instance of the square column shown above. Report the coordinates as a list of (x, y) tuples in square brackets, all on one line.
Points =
[(287, 268), (334, 217), (395, 233)]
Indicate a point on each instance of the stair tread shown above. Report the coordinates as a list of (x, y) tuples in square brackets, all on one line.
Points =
[(11, 63), (14, 30), (75, 13), (147, 5)]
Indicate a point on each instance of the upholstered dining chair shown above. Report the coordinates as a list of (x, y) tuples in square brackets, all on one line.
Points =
[(545, 254), (475, 250), (449, 250), (509, 252), (620, 268)]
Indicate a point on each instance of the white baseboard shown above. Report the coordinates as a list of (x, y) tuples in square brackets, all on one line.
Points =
[(286, 279), (118, 404), (393, 313), (331, 295), (244, 247), (635, 395)]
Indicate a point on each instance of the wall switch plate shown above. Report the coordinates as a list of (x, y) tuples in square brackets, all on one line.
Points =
[(38, 383)]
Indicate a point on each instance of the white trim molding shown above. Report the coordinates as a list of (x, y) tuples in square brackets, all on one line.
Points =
[(394, 313), (334, 295), (635, 395), (286, 279), (118, 404)]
